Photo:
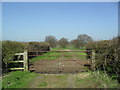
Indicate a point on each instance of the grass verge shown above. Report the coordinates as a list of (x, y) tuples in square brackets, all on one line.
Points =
[(95, 80), (17, 79)]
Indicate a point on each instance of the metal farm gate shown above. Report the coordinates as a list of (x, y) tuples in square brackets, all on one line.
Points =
[(74, 61)]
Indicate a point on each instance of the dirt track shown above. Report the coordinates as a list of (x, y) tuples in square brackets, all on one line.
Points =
[(59, 81)]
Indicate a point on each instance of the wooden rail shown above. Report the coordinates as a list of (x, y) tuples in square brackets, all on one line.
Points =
[(63, 51), (58, 55)]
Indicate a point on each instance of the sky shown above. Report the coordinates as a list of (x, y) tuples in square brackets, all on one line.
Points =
[(33, 21)]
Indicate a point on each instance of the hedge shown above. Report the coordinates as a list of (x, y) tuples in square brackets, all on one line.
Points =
[(107, 56), (38, 46), (9, 48)]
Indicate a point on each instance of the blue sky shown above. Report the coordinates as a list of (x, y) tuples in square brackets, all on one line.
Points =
[(33, 21)]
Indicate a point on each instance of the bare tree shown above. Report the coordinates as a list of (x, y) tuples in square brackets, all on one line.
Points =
[(51, 40), (63, 42), (84, 38)]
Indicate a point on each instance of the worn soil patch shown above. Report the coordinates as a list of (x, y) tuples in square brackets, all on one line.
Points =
[(56, 80)]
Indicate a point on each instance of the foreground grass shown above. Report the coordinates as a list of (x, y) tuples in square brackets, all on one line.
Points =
[(79, 80), (20, 79), (17, 79), (95, 80)]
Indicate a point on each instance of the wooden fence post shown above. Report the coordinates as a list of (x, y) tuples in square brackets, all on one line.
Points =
[(93, 59), (25, 57)]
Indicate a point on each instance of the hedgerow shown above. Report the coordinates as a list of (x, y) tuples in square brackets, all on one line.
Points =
[(9, 48), (38, 46), (107, 56)]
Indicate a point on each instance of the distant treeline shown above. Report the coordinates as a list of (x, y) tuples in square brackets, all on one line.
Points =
[(80, 41)]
